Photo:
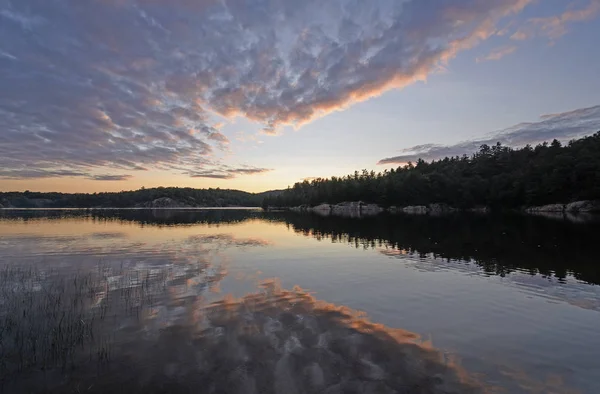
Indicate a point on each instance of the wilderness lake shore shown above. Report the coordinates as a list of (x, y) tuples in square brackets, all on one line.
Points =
[(358, 209)]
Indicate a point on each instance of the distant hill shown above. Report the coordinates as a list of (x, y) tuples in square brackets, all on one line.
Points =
[(160, 197)]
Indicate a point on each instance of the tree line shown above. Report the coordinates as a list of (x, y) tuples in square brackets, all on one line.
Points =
[(496, 176), (125, 199)]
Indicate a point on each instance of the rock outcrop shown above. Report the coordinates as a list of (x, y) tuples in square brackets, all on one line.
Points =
[(360, 209), (479, 210), (440, 209), (546, 208), (355, 209), (344, 209), (371, 209), (322, 209), (300, 208), (583, 206), (165, 202), (347, 208), (574, 207), (432, 209), (415, 209)]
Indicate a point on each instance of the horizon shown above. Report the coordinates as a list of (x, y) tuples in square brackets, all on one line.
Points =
[(118, 95), (403, 165)]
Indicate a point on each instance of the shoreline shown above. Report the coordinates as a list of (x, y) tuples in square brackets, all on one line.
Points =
[(360, 209)]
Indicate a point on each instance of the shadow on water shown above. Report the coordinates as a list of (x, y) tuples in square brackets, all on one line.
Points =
[(124, 331)]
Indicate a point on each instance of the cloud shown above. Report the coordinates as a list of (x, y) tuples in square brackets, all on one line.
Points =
[(522, 34), (21, 173), (497, 53), (226, 172), (562, 126), (216, 136), (554, 27), (17, 173), (119, 84), (110, 177)]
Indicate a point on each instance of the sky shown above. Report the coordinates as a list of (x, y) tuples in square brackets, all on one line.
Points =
[(109, 95)]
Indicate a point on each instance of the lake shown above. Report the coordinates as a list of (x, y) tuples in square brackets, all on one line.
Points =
[(241, 300)]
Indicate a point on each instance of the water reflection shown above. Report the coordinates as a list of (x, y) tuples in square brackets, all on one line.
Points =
[(155, 217), (499, 245)]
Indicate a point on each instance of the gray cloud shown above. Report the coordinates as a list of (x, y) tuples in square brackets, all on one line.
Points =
[(132, 85), (226, 172), (18, 173), (110, 177), (562, 126), (21, 173)]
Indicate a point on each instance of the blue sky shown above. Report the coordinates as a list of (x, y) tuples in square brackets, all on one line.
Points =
[(258, 94)]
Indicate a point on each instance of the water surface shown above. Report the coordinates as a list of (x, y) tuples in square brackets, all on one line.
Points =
[(513, 302)]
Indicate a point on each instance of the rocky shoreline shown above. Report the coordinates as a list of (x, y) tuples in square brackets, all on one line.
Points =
[(346, 209), (361, 209)]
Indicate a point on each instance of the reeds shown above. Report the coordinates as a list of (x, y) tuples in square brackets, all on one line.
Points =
[(50, 320)]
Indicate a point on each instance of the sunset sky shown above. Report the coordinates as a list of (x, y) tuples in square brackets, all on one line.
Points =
[(108, 95)]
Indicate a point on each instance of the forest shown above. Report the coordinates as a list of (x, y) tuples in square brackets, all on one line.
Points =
[(137, 198), (496, 176)]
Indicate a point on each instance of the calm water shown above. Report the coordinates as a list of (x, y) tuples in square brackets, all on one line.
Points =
[(513, 301)]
